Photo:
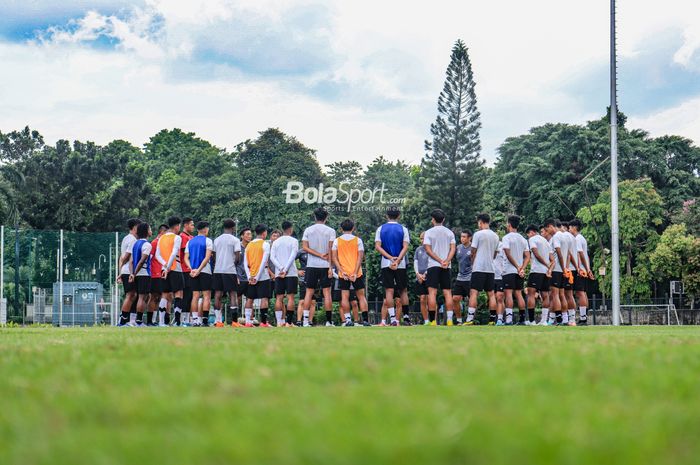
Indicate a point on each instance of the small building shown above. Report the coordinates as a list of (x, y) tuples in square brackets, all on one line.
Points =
[(83, 304)]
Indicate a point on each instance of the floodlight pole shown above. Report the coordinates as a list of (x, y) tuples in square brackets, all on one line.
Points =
[(615, 239)]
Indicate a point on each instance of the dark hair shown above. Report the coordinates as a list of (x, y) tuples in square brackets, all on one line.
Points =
[(173, 221), (202, 224), (229, 223), (186, 220), (557, 223), (261, 228), (131, 222), (514, 221), (276, 231), (576, 223), (142, 230), (164, 227), (484, 218), (320, 214), (549, 222), (393, 212), (286, 225), (565, 224), (468, 232), (347, 225), (244, 230), (533, 228), (438, 215)]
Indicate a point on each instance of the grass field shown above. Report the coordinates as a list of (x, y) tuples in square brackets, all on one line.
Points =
[(350, 395)]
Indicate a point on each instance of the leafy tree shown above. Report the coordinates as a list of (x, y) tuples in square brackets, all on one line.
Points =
[(676, 257), (452, 169), (641, 215)]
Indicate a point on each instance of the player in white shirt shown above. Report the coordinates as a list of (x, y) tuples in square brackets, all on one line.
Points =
[(123, 274), (569, 310), (257, 254), (227, 254), (484, 251), (140, 267), (283, 254), (517, 254), (498, 264), (317, 242), (391, 241), (584, 273), (440, 245), (560, 252), (541, 264)]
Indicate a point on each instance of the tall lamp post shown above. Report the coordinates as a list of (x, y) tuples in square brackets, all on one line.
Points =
[(615, 236)]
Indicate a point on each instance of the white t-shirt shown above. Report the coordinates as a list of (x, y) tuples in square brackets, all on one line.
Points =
[(319, 237), (573, 250), (378, 238), (127, 246), (486, 243), (225, 248), (517, 246), (283, 254), (208, 245), (145, 252), (559, 241), (543, 249), (348, 237), (439, 238), (582, 246), (499, 262)]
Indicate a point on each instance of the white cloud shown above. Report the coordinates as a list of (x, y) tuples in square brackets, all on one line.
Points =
[(384, 63), (681, 120)]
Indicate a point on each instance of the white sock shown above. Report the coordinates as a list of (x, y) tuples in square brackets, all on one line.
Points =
[(306, 316), (278, 315), (248, 313), (427, 321), (132, 318), (392, 314), (163, 303), (450, 314), (572, 315), (161, 317), (500, 317), (186, 317), (509, 315), (384, 320), (347, 317), (545, 315), (564, 317), (217, 314), (459, 320), (470, 314), (582, 312), (552, 317)]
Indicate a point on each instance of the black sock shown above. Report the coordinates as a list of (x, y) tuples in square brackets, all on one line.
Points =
[(263, 315), (177, 304), (365, 316), (124, 319), (167, 318), (521, 315), (431, 315), (405, 309), (531, 314), (139, 318), (177, 317), (329, 316), (492, 315), (290, 317), (558, 316), (149, 317), (205, 315)]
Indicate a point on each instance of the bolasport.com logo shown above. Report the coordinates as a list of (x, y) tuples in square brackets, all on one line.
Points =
[(344, 197)]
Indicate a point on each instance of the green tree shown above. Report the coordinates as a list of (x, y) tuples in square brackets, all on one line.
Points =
[(641, 216), (452, 168), (676, 257)]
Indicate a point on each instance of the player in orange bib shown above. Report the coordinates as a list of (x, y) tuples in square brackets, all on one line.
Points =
[(348, 251)]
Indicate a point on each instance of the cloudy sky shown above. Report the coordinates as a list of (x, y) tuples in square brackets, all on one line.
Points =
[(352, 79)]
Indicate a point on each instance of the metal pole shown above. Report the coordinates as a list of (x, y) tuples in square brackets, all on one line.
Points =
[(60, 280), (116, 267), (2, 267), (615, 239), (17, 305)]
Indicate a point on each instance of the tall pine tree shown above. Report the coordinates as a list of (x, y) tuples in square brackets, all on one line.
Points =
[(452, 169)]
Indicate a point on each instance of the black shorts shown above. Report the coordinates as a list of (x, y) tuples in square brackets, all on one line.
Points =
[(345, 285), (567, 285), (538, 281), (287, 285), (439, 277), (302, 291), (156, 285), (128, 287), (461, 288), (188, 280), (259, 290), (513, 281), (242, 287), (225, 282), (143, 285), (421, 288), (202, 282), (580, 283), (557, 280), (498, 285), (482, 281), (394, 279), (174, 282), (317, 277)]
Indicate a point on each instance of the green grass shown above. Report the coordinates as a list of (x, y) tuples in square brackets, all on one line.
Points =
[(350, 395)]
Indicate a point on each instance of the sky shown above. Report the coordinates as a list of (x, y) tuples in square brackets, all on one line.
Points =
[(352, 80)]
